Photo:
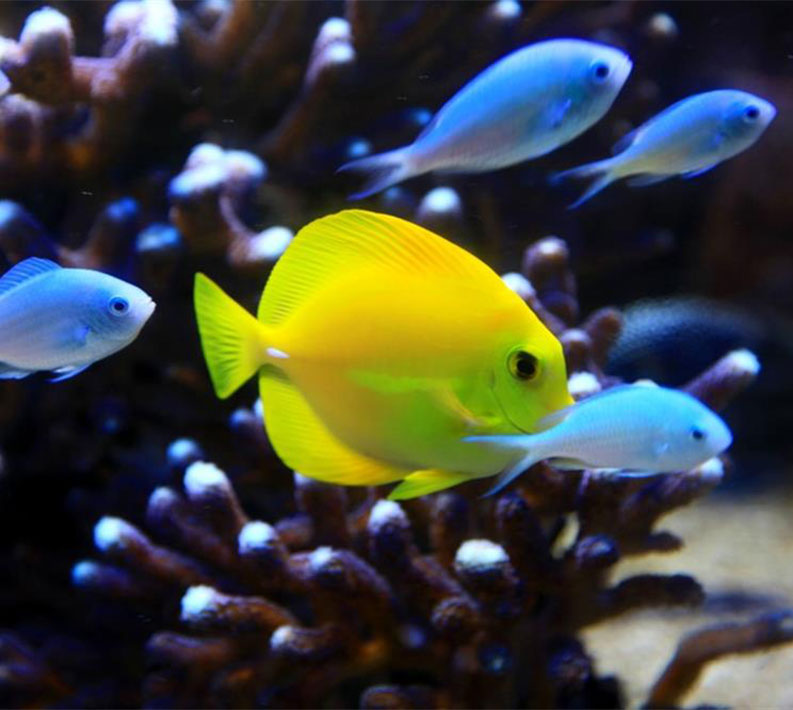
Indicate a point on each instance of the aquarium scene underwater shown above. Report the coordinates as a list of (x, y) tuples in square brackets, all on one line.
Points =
[(396, 354)]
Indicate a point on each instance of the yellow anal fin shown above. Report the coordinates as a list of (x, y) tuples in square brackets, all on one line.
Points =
[(305, 444), (421, 483)]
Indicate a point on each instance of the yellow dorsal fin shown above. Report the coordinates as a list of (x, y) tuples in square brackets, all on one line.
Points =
[(421, 483), (334, 245), (304, 443)]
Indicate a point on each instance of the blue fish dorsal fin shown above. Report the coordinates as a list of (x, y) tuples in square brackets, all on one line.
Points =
[(24, 271), (551, 420), (629, 138)]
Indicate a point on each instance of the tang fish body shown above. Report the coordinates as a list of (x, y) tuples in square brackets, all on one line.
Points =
[(379, 347)]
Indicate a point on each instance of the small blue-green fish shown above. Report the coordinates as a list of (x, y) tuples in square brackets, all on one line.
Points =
[(523, 106), (636, 428), (63, 320), (688, 139)]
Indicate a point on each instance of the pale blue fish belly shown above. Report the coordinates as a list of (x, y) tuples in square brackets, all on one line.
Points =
[(687, 139), (523, 106), (63, 320), (636, 428)]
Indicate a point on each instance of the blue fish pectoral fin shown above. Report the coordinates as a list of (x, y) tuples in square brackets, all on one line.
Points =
[(11, 372), (551, 420), (80, 335), (24, 271), (697, 173), (422, 483), (648, 179), (64, 373), (557, 113), (623, 473)]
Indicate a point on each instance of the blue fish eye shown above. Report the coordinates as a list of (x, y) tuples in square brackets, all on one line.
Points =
[(600, 72), (118, 306), (697, 434), (751, 113)]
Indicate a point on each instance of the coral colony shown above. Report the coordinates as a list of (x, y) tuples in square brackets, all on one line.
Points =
[(203, 574)]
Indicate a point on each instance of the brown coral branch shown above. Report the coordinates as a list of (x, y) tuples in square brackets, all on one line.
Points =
[(701, 647)]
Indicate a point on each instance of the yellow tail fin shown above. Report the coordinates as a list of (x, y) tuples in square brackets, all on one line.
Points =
[(233, 340)]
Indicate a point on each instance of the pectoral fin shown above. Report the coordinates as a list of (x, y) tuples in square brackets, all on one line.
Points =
[(10, 372), (64, 373), (697, 173), (558, 112), (421, 483), (635, 474)]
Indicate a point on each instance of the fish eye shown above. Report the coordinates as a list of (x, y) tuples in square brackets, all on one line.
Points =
[(600, 72), (118, 306), (523, 365), (751, 113), (697, 434)]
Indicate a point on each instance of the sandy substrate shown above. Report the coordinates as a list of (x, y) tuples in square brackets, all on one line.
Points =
[(741, 551)]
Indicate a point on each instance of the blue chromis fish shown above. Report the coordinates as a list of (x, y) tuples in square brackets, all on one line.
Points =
[(641, 429), (525, 105), (687, 139), (378, 347), (63, 320)]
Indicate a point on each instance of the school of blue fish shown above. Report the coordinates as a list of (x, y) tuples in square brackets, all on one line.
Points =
[(523, 106)]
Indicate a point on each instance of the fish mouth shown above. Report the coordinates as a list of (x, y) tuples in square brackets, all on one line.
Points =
[(770, 111), (624, 69), (148, 309)]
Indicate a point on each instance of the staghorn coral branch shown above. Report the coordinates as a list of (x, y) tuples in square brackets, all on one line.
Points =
[(208, 610), (645, 590), (206, 197), (703, 646), (725, 379), (546, 266)]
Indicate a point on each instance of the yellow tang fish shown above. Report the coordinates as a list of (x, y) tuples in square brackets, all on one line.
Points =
[(379, 347)]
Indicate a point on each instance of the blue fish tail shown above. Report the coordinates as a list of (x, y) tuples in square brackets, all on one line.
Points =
[(381, 171), (599, 173)]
